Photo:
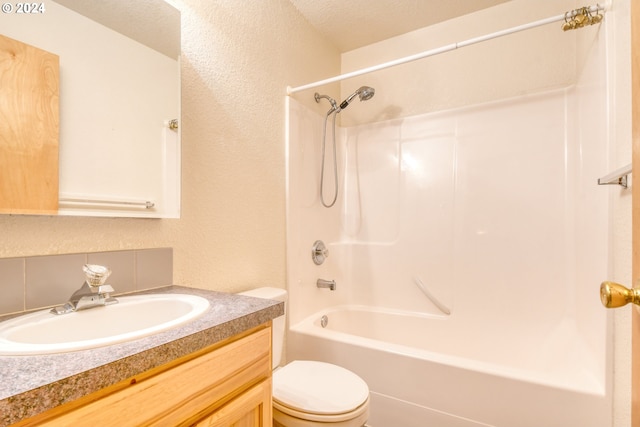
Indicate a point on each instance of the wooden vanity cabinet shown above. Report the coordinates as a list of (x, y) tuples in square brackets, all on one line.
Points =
[(227, 384)]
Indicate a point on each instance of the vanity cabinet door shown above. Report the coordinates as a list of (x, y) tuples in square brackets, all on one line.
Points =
[(251, 409)]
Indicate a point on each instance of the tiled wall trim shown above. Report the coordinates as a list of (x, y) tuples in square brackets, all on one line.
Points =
[(41, 281)]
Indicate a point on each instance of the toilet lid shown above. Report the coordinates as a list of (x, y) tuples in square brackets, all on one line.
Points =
[(318, 388)]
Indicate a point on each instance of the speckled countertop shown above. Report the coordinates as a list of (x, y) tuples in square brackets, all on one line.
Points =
[(33, 384)]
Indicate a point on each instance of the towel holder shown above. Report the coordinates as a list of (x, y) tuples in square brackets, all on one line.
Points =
[(101, 202), (617, 177)]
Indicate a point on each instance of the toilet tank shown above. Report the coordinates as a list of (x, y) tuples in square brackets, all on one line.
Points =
[(278, 323)]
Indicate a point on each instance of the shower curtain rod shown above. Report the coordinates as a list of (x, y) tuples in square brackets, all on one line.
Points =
[(447, 48)]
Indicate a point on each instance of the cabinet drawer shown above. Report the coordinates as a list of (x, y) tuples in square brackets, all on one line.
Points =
[(182, 394)]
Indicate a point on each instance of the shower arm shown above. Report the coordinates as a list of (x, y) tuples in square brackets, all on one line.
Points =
[(334, 104)]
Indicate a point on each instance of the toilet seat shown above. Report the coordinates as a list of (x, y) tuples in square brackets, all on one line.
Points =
[(319, 391)]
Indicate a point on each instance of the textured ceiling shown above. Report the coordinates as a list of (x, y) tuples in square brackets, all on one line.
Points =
[(348, 24), (154, 23), (351, 24)]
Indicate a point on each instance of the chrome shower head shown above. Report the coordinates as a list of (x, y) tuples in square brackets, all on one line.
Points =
[(364, 92)]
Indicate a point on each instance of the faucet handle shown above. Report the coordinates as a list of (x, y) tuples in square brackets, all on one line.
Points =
[(319, 252), (96, 275)]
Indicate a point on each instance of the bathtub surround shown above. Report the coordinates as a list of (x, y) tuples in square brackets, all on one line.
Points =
[(35, 282), (494, 207), (492, 237)]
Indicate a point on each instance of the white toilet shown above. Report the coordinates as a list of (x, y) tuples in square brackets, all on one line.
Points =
[(309, 393)]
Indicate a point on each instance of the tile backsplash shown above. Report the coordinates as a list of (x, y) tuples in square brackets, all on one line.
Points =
[(41, 281)]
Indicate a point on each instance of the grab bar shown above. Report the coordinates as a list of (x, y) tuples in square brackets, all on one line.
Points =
[(443, 308)]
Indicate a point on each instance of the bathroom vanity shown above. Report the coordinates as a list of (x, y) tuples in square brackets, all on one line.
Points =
[(214, 371)]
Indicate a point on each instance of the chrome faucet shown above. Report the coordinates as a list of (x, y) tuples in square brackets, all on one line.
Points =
[(331, 284), (93, 293)]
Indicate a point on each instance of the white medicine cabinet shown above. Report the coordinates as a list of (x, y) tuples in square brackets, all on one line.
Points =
[(119, 102)]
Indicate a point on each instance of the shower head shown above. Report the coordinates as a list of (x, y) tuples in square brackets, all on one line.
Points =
[(365, 93)]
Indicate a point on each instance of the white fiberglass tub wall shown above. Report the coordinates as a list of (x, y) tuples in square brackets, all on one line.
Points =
[(495, 208)]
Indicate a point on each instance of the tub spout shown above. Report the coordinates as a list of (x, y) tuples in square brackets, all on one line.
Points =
[(331, 284)]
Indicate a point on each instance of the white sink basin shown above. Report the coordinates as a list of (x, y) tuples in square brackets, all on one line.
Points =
[(133, 317)]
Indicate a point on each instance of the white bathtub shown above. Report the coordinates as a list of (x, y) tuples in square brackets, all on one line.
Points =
[(422, 374)]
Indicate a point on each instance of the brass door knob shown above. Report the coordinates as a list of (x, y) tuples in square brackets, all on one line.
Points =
[(615, 295)]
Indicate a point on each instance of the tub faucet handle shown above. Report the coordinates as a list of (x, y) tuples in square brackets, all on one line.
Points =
[(319, 252)]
